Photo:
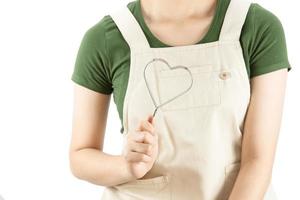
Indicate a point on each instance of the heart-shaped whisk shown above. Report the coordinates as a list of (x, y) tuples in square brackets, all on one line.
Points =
[(171, 68)]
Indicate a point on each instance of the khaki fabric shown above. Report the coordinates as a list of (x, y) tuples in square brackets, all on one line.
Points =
[(200, 132)]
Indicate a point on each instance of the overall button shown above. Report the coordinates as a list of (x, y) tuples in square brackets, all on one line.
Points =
[(224, 75)]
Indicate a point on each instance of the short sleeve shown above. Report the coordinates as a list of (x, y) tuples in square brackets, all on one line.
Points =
[(91, 68), (268, 51)]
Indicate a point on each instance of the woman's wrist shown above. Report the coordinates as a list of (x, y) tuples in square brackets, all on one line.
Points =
[(125, 171)]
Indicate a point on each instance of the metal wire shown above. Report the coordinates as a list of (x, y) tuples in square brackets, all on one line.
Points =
[(171, 68)]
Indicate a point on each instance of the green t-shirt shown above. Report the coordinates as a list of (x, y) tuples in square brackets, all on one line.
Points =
[(103, 58)]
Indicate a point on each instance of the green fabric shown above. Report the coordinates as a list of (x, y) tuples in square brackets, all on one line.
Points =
[(103, 58)]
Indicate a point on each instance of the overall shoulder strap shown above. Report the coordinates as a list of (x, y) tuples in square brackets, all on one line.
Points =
[(234, 19), (130, 28)]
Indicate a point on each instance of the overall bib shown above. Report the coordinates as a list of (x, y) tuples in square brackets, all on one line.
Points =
[(200, 132)]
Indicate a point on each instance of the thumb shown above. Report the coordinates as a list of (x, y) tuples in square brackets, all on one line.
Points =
[(150, 119), (140, 126)]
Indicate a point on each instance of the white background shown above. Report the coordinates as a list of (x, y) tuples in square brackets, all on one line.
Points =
[(38, 44)]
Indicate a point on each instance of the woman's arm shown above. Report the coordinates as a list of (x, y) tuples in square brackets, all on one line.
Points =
[(261, 129), (87, 161)]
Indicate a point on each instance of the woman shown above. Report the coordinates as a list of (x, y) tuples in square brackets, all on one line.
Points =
[(217, 139)]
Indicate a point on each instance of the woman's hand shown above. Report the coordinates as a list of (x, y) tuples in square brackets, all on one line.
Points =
[(141, 148)]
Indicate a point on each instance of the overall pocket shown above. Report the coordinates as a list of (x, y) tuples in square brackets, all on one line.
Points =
[(205, 90), (156, 188)]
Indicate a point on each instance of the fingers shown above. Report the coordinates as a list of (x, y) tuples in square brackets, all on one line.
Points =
[(146, 125), (142, 137), (137, 157), (140, 147), (142, 142), (137, 151)]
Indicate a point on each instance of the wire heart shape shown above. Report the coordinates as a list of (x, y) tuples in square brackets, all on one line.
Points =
[(170, 68)]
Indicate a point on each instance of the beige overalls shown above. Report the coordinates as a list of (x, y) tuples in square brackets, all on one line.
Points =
[(200, 132)]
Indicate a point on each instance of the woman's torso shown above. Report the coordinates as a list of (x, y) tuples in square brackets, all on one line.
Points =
[(200, 132)]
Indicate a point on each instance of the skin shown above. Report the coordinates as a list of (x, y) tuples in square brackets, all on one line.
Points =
[(186, 26), (260, 136), (87, 159)]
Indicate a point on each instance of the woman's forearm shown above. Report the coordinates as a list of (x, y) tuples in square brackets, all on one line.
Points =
[(99, 168), (252, 181)]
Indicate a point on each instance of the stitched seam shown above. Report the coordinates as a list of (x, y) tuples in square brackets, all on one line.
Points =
[(107, 55)]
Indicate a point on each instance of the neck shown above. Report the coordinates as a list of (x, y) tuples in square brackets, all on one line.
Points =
[(177, 10)]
